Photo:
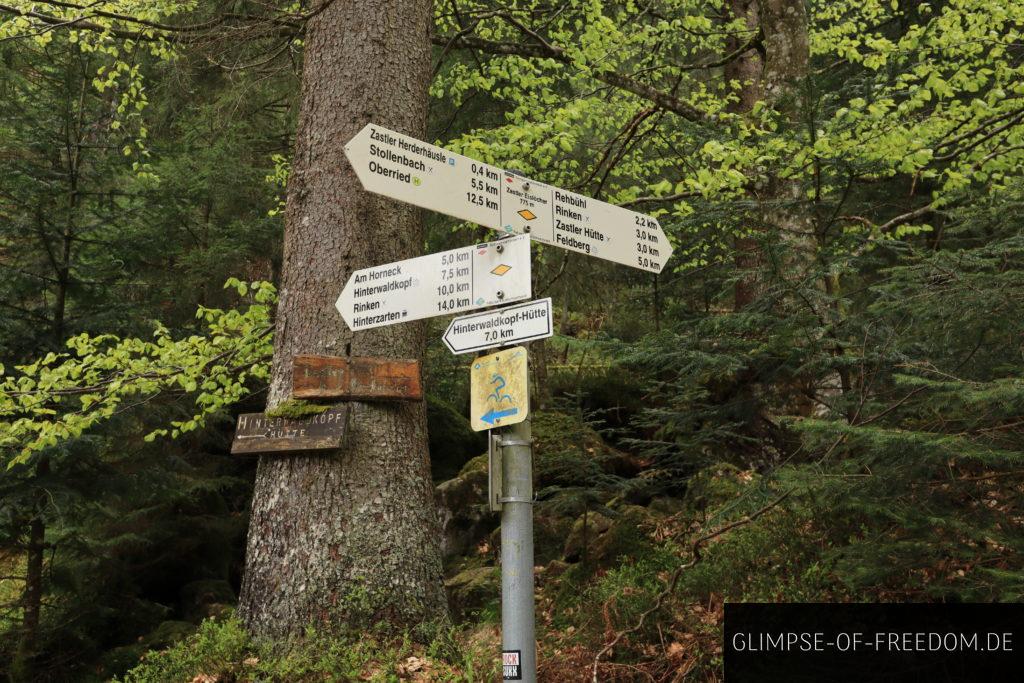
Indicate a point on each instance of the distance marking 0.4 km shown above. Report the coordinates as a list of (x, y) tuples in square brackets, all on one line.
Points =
[(412, 171)]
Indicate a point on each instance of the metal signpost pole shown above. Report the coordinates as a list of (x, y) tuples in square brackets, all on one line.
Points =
[(518, 643)]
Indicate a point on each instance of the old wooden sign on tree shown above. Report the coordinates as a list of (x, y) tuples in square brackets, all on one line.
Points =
[(257, 433), (317, 377)]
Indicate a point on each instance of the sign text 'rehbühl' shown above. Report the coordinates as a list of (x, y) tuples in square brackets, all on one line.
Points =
[(431, 177)]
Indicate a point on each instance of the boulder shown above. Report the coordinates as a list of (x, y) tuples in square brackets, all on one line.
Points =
[(452, 442), (462, 504), (204, 598), (471, 589), (601, 540), (168, 633), (716, 485)]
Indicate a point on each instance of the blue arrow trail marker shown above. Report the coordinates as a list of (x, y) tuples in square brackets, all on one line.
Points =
[(498, 389), (493, 415)]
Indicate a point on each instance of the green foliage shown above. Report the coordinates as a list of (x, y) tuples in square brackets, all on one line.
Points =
[(224, 649), (842, 321), (60, 396)]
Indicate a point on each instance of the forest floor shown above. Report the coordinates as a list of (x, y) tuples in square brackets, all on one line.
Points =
[(602, 561)]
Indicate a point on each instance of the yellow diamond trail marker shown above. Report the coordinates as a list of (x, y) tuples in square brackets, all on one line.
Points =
[(488, 274), (431, 177), (498, 394)]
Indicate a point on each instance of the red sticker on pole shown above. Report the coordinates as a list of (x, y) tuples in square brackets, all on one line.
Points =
[(511, 668)]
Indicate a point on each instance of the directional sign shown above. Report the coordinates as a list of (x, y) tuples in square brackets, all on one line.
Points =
[(318, 377), (257, 433), (431, 177), (502, 327), (487, 274), (498, 389)]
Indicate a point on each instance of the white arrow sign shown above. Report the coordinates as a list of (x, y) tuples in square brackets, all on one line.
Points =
[(486, 274), (504, 327), (431, 177)]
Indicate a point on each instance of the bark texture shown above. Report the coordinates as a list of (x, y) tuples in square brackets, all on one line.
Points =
[(349, 538), (773, 74), (746, 70), (784, 26)]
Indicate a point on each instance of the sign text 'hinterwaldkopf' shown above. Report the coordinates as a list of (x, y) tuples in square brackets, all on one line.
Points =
[(488, 274)]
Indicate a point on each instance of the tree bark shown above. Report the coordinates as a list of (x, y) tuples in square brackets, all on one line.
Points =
[(348, 538), (787, 55), (32, 597), (746, 70)]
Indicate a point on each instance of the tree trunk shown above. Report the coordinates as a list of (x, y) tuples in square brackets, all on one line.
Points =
[(32, 597), (746, 70), (348, 538), (784, 26)]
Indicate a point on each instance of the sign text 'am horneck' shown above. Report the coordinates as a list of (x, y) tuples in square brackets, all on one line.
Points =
[(431, 177), (488, 274)]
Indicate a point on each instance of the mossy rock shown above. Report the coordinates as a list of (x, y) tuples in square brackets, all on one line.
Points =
[(465, 516), (564, 447), (609, 538), (549, 534), (559, 432), (119, 660), (168, 633), (197, 597), (452, 441), (716, 485), (472, 589), (477, 465), (666, 506)]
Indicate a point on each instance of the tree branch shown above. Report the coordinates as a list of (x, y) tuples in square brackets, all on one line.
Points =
[(674, 580), (545, 50)]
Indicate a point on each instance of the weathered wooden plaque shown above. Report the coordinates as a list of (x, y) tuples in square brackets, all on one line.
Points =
[(356, 378), (256, 433)]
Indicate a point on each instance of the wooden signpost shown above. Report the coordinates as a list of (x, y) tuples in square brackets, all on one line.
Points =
[(317, 377), (256, 433)]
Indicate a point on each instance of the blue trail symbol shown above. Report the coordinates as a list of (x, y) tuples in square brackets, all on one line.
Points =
[(492, 415)]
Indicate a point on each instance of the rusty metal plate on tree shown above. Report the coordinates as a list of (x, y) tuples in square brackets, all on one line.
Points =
[(315, 377), (257, 433), (499, 390)]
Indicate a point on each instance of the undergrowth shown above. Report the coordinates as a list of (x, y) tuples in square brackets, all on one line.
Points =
[(222, 650)]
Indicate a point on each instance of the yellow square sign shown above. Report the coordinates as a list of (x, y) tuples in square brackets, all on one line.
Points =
[(499, 389)]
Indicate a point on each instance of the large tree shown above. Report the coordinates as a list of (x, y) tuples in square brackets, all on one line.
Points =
[(348, 537)]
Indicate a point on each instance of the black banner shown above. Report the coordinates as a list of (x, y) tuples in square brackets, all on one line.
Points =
[(873, 643)]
